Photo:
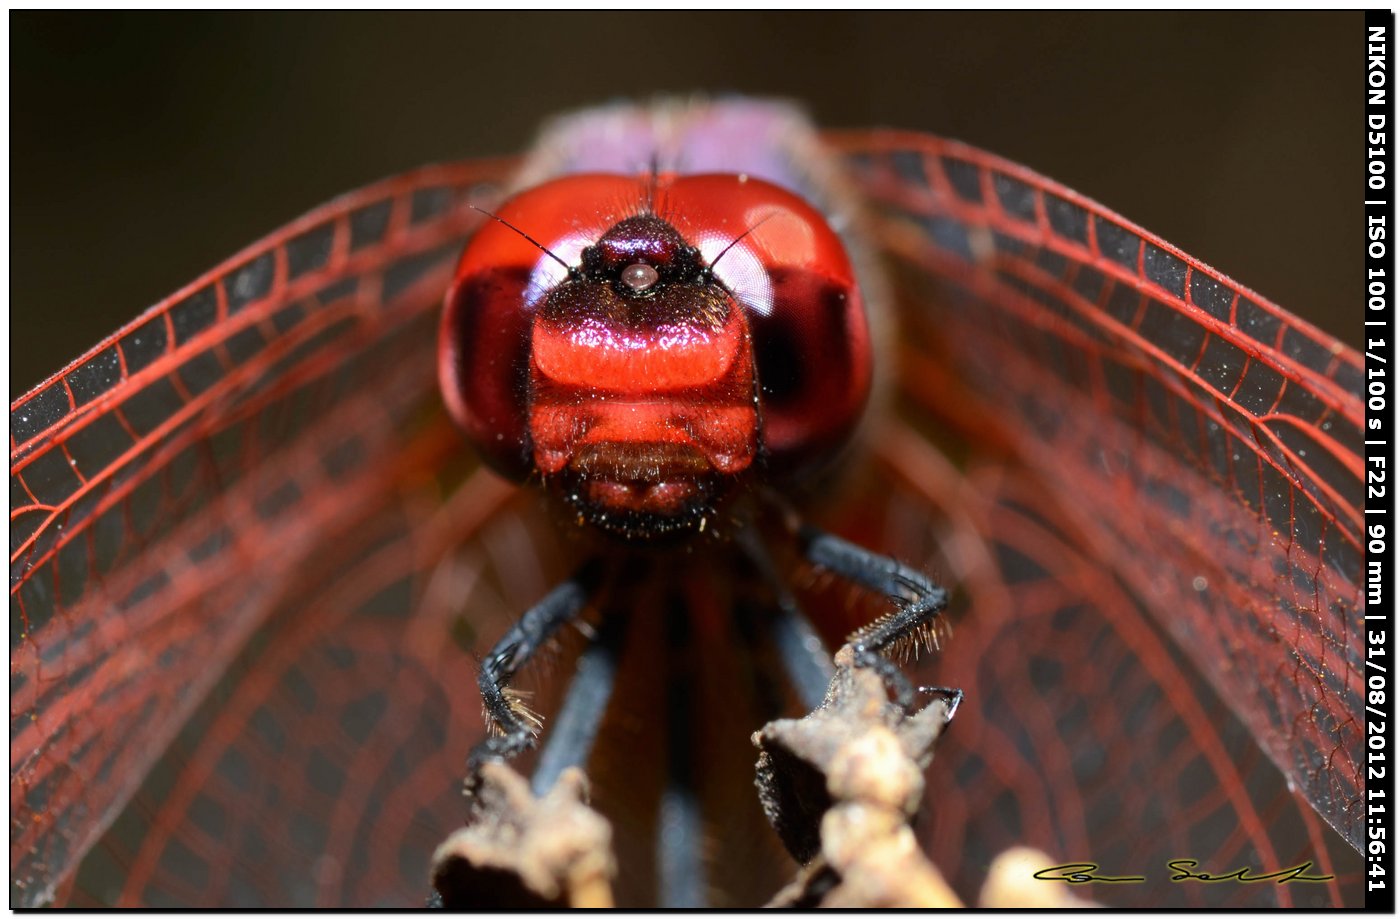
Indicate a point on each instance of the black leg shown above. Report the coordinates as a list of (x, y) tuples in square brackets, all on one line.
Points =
[(680, 831), (516, 725), (576, 725), (917, 599), (680, 872), (801, 650), (952, 694)]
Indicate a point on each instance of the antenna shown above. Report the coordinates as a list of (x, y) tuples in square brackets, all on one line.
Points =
[(736, 240), (573, 272)]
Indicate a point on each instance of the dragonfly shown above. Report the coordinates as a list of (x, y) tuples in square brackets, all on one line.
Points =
[(254, 566)]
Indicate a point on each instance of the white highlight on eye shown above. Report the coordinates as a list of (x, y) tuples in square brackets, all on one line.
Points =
[(740, 271), (548, 273)]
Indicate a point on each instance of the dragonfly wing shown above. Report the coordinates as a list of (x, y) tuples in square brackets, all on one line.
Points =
[(1205, 442), (165, 487), (1195, 442), (326, 765), (1085, 732)]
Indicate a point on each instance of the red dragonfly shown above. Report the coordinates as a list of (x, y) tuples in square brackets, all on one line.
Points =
[(252, 563)]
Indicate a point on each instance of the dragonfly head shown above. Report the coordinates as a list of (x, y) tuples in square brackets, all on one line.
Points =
[(647, 346)]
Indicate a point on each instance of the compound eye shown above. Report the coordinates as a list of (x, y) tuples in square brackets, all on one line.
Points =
[(489, 314), (811, 341), (813, 362), (640, 277)]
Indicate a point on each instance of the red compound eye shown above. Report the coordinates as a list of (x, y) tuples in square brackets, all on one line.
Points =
[(811, 341), (501, 281), (674, 331)]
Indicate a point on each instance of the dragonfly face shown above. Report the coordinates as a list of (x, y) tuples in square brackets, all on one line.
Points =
[(644, 369), (1143, 478)]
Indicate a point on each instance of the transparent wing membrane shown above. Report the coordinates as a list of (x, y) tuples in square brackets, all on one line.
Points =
[(1201, 444), (165, 487)]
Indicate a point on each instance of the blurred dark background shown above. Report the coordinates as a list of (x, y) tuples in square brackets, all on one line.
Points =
[(147, 147)]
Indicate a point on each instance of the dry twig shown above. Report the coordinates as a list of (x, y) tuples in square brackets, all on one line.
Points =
[(519, 851)]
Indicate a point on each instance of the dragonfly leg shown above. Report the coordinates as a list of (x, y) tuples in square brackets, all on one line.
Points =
[(679, 832), (576, 725), (803, 653), (516, 726), (678, 850), (951, 694), (917, 599)]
